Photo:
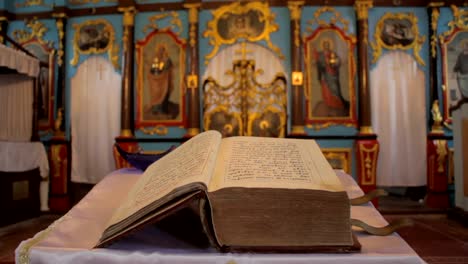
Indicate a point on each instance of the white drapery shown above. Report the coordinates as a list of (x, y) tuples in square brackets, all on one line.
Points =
[(399, 120), (95, 119), (18, 61), (16, 107)]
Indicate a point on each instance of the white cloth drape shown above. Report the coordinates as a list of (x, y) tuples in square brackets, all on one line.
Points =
[(16, 107), (399, 120), (24, 156), (19, 61), (95, 119), (460, 116)]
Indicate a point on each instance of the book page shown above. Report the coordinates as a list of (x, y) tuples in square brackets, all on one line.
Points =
[(273, 163), (191, 162)]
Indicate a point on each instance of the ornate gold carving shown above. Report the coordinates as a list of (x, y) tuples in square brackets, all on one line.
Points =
[(327, 125), (297, 130), (459, 22), (297, 78), (192, 81), (362, 8), (126, 133), (368, 158), (238, 12), (441, 150), (84, 2), (193, 20), (36, 31), (107, 33), (333, 20), (193, 131), (158, 130), (366, 130), (416, 43), (434, 20), (128, 15), (2, 18), (193, 12), (343, 155), (58, 123), (245, 106), (174, 23), (61, 33), (28, 3), (295, 9), (437, 118)]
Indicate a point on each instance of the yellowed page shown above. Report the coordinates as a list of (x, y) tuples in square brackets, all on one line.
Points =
[(191, 162), (273, 163)]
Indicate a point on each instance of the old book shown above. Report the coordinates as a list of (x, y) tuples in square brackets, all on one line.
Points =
[(255, 194)]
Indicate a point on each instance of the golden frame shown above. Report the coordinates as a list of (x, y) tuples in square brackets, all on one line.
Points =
[(380, 44), (341, 154), (111, 47), (457, 26), (238, 9)]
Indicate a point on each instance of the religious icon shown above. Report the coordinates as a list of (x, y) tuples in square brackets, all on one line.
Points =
[(455, 59), (330, 81), (246, 25), (161, 71), (397, 32)]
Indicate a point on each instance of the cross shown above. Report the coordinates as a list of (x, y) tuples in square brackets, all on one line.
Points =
[(100, 69), (243, 51)]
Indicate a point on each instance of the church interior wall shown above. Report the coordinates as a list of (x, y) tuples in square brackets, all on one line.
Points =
[(336, 136)]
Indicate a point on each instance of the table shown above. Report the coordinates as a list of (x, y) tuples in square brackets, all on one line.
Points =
[(25, 156), (71, 238)]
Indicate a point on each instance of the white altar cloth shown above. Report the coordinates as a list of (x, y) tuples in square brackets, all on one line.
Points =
[(71, 238), (19, 61), (24, 156)]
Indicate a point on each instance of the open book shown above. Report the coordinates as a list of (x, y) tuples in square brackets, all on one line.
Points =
[(256, 194)]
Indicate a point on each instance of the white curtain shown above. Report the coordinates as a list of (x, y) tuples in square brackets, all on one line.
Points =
[(95, 119), (16, 107), (399, 120)]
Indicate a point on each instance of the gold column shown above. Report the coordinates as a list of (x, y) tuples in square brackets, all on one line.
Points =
[(3, 25), (127, 73), (59, 128), (296, 67), (193, 92)]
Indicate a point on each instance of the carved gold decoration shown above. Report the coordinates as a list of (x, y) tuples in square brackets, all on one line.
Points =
[(107, 32), (36, 30), (368, 157), (362, 8), (193, 11), (126, 133), (437, 118), (245, 106), (192, 81), (459, 22), (416, 43), (366, 130), (297, 78), (434, 20), (343, 155), (193, 20), (326, 125), (441, 149), (175, 23), (193, 131), (295, 9), (333, 20), (158, 130), (84, 2), (58, 123), (28, 3), (61, 33), (2, 18), (128, 15), (231, 33), (297, 130)]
